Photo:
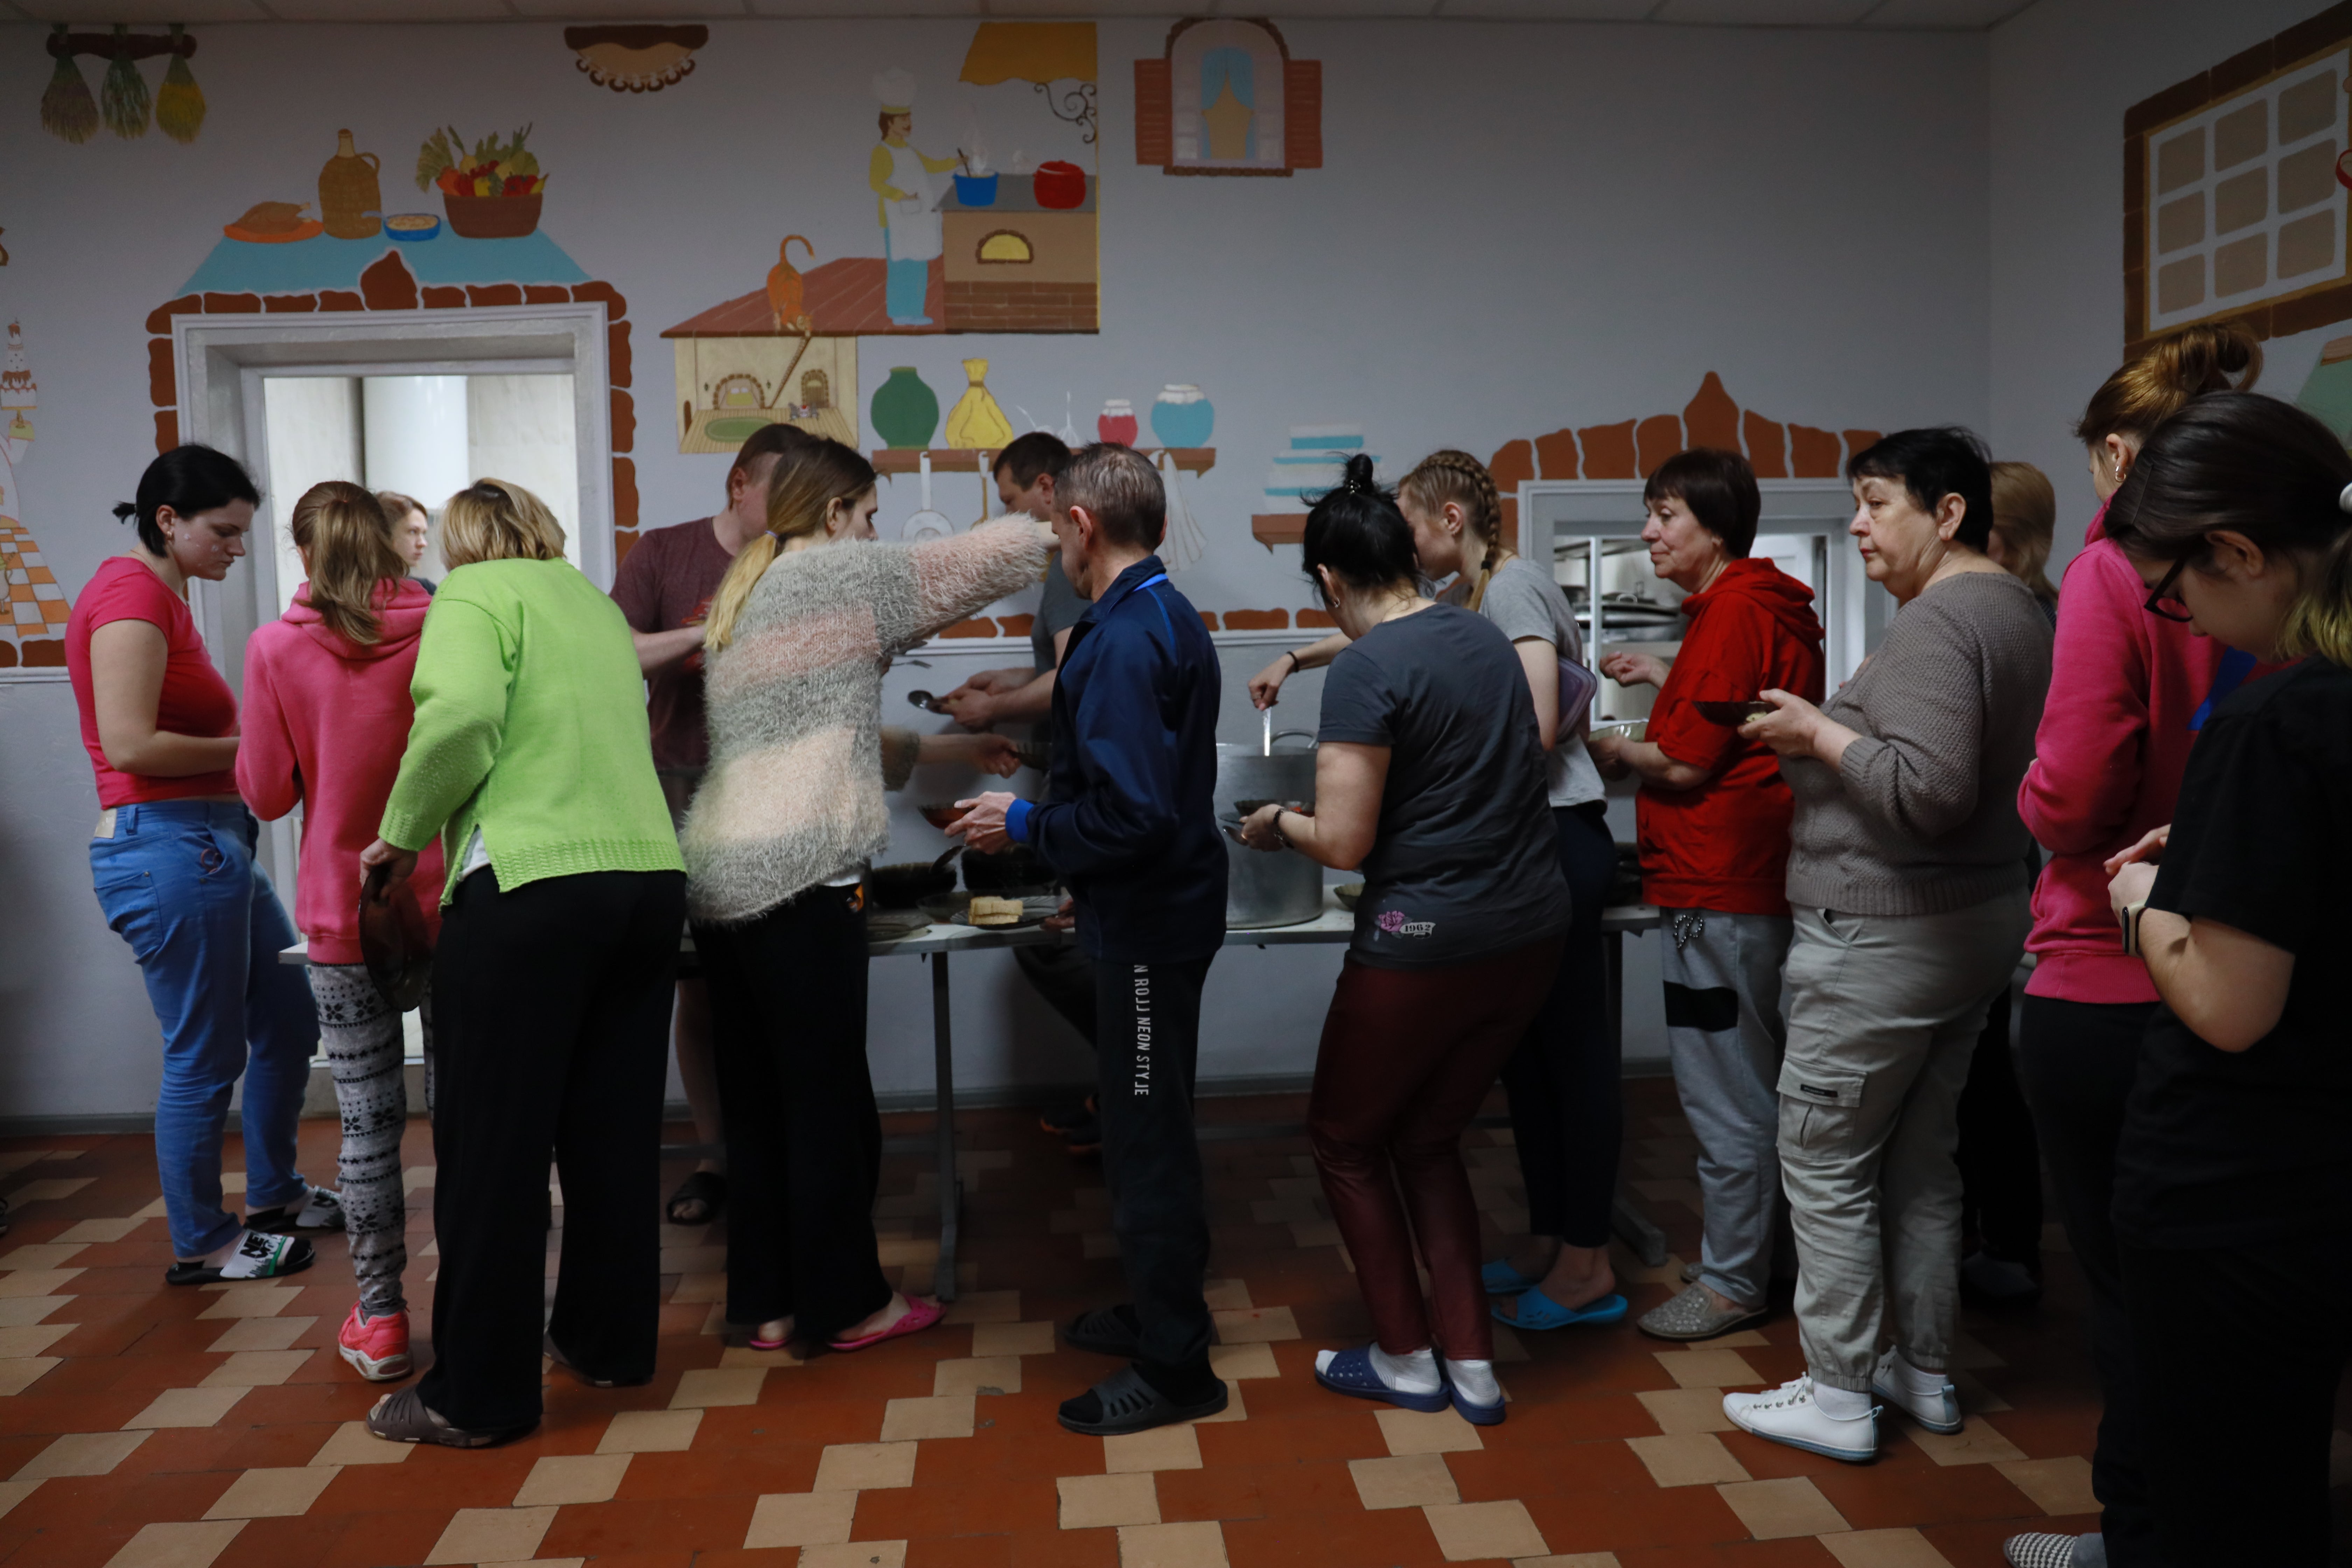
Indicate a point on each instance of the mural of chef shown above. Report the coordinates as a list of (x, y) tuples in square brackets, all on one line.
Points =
[(901, 177)]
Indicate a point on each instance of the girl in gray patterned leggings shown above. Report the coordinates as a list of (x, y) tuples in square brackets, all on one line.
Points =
[(362, 1039)]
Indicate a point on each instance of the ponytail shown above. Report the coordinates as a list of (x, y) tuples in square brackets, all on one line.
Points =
[(752, 564), (343, 531), (809, 477), (1462, 480), (2154, 386)]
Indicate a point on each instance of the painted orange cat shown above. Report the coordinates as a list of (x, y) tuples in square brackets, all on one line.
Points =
[(785, 284)]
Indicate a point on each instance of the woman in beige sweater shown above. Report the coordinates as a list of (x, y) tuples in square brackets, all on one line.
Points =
[(789, 815)]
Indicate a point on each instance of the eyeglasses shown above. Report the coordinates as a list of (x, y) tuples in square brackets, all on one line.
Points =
[(2162, 603)]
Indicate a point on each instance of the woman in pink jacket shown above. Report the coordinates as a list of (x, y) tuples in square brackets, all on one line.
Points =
[(327, 713), (2128, 691)]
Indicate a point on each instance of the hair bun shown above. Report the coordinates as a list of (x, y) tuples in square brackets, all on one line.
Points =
[(1357, 479), (124, 511)]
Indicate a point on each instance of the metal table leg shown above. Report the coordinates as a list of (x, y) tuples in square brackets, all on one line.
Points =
[(1633, 1227), (943, 1280)]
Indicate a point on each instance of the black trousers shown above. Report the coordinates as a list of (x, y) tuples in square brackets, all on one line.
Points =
[(550, 1006), (1146, 1049), (2237, 1457), (803, 1136), (2000, 1157), (2075, 1062), (1568, 1105)]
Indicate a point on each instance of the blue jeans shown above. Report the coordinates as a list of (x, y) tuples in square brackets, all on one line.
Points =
[(178, 882)]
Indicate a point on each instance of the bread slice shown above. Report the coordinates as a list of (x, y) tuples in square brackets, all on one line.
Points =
[(988, 911)]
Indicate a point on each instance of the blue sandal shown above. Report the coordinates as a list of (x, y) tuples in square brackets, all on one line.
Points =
[(1501, 1279), (1350, 1373), (1538, 1311)]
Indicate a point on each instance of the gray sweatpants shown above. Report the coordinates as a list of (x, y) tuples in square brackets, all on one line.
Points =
[(1722, 974), (1884, 1013), (362, 1040)]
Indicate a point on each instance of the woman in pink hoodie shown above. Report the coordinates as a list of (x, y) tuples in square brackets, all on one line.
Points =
[(2128, 691), (327, 713)]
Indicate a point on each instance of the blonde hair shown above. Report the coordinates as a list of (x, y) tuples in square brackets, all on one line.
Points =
[(344, 531), (2024, 516), (808, 479), (491, 520), (1459, 477), (2217, 357)]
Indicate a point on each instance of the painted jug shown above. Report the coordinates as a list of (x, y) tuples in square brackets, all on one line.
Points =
[(1182, 417), (976, 423), (350, 201), (1117, 423), (905, 411)]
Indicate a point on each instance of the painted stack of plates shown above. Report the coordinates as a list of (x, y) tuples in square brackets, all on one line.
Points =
[(1312, 464)]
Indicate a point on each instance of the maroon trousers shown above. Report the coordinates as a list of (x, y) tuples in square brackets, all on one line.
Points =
[(1407, 1056)]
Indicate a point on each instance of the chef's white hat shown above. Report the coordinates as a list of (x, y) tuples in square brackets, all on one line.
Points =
[(896, 88)]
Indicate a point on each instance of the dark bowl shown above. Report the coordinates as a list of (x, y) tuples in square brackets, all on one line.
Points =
[(902, 887), (1016, 871), (1731, 715), (940, 812)]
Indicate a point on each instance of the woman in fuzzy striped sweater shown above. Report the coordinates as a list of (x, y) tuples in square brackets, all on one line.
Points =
[(789, 815)]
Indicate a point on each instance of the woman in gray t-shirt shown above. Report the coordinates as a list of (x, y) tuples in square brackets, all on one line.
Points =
[(1566, 1115)]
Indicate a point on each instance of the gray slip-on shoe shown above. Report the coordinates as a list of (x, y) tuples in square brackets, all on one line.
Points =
[(1693, 1315)]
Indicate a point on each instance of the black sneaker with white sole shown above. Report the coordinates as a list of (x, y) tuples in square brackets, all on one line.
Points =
[(256, 1256)]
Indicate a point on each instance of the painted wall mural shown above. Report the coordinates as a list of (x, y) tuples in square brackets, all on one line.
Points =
[(1227, 99), (123, 105), (32, 635), (636, 56)]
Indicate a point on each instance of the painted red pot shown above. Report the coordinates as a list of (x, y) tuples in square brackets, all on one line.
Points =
[(1060, 184)]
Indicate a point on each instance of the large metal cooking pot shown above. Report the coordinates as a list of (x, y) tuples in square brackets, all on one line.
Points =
[(1281, 888)]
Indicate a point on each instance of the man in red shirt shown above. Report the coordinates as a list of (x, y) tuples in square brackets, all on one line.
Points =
[(665, 587)]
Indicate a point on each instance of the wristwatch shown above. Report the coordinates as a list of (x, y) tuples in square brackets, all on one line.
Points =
[(2130, 923)]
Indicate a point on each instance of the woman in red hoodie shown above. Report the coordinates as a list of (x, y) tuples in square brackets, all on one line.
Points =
[(327, 713), (2129, 693)]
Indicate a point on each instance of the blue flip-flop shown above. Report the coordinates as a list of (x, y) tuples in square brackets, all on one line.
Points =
[(1350, 1373), (1501, 1279), (1538, 1311)]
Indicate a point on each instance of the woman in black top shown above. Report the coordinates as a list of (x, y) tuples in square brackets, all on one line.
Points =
[(2233, 1179), (1430, 774)]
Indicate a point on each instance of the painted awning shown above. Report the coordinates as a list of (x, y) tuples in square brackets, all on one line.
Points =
[(1030, 51)]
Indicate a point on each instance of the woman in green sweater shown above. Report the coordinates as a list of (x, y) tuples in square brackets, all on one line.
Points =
[(532, 758)]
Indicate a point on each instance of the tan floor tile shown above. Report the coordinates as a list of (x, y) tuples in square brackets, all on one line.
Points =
[(799, 1519), (977, 1375), (1162, 1448), (1227, 1295), (492, 1535), (154, 1210), (19, 1373), (1233, 1361), (856, 1554), (573, 1478), (1440, 1432), (176, 1546), (1884, 1548), (37, 1281), (706, 1387), (1784, 1506), (40, 1254), (650, 1432), (1254, 1325), (13, 1492), (1741, 1340), (1091, 1502), (695, 1289), (256, 1369), (2058, 1485), (1509, 1346), (984, 1307), (1404, 1480), (80, 1454), (273, 1493), (415, 1176), (90, 1230), (1686, 1409), (351, 1444), (743, 1357), (865, 1466), (1012, 1339), (18, 1312), (1236, 1408), (1201, 1545), (1687, 1459), (713, 1321), (186, 1407), (1976, 1399), (1978, 1442), (1709, 1368), (941, 1416), (261, 1335), (1570, 1560), (51, 1188), (1467, 1531), (253, 1301)]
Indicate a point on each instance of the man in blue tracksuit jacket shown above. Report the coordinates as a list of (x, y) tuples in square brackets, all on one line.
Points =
[(1129, 824)]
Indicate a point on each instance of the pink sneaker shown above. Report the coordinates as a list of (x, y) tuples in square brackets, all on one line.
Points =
[(377, 1347)]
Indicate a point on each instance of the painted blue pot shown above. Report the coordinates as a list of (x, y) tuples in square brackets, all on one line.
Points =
[(976, 190)]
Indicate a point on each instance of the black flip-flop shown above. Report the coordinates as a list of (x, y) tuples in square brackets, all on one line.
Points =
[(1105, 1331), (1130, 1403), (291, 1258), (708, 1188), (402, 1417)]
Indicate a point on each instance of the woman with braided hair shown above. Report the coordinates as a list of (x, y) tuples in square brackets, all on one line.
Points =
[(1566, 1114)]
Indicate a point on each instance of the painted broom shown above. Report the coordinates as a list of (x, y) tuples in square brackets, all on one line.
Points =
[(122, 98), (66, 108), (179, 102)]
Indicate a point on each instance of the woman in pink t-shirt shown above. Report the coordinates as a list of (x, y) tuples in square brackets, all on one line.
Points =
[(172, 859)]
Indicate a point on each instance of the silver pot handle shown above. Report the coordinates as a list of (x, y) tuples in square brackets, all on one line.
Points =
[(1307, 735)]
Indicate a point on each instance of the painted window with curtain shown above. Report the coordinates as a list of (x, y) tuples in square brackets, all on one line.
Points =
[(1228, 79)]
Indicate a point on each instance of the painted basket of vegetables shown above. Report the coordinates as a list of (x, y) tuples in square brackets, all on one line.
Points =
[(492, 191)]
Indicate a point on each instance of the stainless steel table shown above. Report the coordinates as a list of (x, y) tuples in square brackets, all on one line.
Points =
[(937, 942)]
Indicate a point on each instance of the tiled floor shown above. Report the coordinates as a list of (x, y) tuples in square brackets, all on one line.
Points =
[(148, 1427)]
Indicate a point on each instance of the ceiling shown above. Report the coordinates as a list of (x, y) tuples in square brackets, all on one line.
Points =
[(1970, 15)]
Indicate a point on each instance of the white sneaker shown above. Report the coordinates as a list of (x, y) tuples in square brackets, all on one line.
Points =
[(1937, 1412), (1789, 1414)]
